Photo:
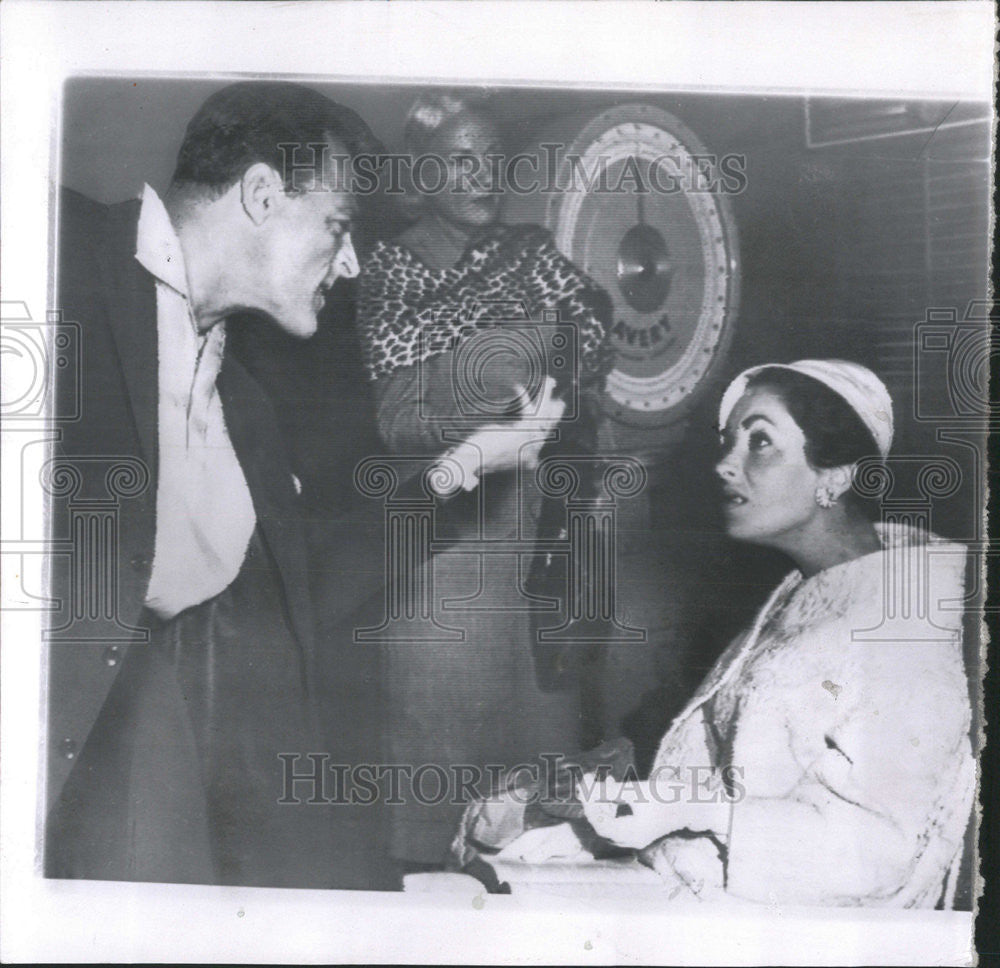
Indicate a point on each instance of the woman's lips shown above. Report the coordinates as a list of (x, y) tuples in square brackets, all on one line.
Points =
[(733, 499)]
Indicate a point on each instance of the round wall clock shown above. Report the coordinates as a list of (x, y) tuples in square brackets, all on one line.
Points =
[(639, 204)]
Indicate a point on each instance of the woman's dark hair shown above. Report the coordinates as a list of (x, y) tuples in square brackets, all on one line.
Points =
[(835, 434), (246, 123)]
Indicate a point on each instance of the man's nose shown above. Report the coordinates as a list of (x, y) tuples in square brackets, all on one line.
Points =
[(345, 263)]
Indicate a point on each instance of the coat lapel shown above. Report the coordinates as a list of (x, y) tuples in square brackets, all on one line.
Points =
[(253, 430), (732, 659), (130, 293)]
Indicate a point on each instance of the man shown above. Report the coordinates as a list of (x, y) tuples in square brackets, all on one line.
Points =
[(165, 756)]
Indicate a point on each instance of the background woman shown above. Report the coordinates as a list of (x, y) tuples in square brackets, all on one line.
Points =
[(826, 759), (455, 274)]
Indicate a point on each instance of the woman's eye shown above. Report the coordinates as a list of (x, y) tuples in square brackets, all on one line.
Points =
[(759, 440)]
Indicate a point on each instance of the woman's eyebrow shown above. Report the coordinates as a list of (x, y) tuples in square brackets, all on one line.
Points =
[(756, 416)]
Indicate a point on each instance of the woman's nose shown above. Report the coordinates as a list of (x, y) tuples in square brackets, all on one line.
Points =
[(726, 468)]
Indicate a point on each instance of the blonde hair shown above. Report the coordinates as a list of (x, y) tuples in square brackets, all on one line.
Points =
[(433, 109)]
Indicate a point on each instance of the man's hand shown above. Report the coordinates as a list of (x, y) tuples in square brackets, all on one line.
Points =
[(499, 447)]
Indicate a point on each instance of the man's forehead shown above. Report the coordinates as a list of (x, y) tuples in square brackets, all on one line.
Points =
[(342, 204), (334, 181)]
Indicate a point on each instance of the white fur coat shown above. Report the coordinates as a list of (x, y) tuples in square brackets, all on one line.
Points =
[(843, 716)]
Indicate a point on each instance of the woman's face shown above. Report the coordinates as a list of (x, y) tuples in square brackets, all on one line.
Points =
[(769, 487), (464, 144)]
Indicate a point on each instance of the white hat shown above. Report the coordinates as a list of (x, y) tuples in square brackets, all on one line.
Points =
[(864, 392)]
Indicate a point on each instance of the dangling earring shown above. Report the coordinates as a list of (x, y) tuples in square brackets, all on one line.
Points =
[(825, 497)]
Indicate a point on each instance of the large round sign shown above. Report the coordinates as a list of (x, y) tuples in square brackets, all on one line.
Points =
[(641, 206)]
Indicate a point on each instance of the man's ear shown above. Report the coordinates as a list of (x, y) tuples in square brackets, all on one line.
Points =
[(261, 188), (838, 479)]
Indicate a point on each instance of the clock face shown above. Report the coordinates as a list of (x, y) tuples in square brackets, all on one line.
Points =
[(646, 217)]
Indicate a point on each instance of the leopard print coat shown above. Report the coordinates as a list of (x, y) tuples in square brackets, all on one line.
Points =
[(409, 312)]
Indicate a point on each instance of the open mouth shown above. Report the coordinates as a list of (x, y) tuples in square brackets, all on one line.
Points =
[(732, 498), (320, 294)]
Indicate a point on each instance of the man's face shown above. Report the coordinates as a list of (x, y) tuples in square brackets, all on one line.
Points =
[(305, 247)]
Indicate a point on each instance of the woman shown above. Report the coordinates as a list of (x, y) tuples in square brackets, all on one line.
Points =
[(427, 301), (826, 758)]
